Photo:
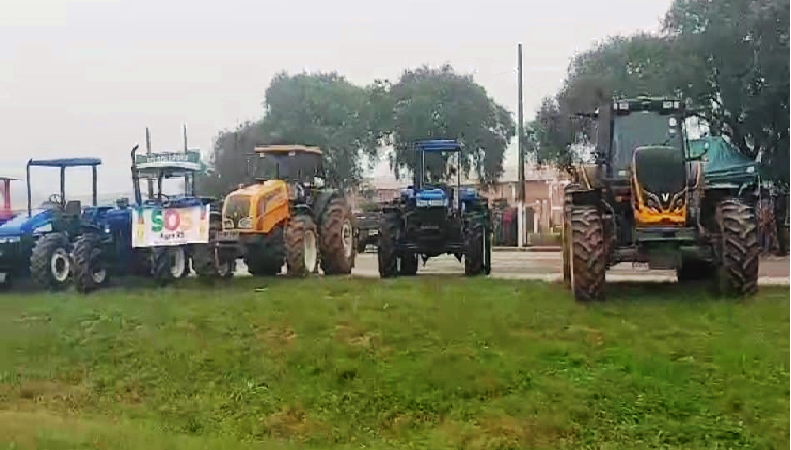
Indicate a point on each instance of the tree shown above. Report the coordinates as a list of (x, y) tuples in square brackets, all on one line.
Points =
[(741, 82), (644, 64), (441, 104), (231, 151), (327, 111)]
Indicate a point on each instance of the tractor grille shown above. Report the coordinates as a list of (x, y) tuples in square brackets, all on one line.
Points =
[(10, 257), (433, 217), (237, 208), (660, 171)]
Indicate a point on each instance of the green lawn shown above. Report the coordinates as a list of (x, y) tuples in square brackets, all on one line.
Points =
[(431, 363)]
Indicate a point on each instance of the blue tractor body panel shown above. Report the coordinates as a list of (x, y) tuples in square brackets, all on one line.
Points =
[(23, 224)]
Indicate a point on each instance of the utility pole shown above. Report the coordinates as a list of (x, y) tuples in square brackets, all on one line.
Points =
[(520, 131), (149, 181)]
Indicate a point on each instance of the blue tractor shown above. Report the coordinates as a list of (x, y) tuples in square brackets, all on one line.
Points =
[(38, 243), (118, 253), (430, 218)]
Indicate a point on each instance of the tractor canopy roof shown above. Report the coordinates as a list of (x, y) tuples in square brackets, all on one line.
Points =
[(438, 145), (170, 164), (65, 162), (722, 161)]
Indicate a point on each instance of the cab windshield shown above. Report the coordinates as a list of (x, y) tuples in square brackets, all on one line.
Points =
[(642, 128), (292, 166)]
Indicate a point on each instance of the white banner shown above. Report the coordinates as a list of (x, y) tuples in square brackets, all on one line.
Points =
[(155, 227)]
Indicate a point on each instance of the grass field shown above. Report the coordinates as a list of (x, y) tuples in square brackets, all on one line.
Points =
[(431, 363)]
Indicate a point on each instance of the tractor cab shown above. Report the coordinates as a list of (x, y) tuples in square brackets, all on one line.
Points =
[(160, 167), (294, 164), (641, 147), (436, 163), (6, 213)]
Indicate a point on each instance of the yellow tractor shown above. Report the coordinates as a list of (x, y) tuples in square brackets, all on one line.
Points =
[(287, 216)]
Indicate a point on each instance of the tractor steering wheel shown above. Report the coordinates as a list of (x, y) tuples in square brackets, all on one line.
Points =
[(56, 199)]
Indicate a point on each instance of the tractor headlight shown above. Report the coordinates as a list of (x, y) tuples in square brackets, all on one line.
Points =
[(107, 230), (421, 203), (245, 222), (227, 224), (751, 169), (9, 240), (667, 104)]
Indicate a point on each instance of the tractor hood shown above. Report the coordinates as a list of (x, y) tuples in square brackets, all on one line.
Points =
[(22, 224), (431, 197), (723, 163)]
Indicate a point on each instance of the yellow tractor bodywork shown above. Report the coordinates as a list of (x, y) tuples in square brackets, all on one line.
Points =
[(257, 208)]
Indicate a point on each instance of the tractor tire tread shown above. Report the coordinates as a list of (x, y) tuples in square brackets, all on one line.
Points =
[(588, 251), (40, 260), (386, 254), (83, 262), (295, 245), (331, 248), (740, 248)]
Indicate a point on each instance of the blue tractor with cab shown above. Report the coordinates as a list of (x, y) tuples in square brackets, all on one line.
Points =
[(431, 218), (116, 252), (37, 244)]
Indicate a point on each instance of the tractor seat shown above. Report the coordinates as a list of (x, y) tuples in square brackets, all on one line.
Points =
[(73, 207)]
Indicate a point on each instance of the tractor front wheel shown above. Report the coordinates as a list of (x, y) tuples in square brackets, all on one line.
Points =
[(302, 255), (409, 264), (161, 265), (588, 258), (474, 250), (90, 270), (50, 262), (338, 249), (739, 249), (386, 251)]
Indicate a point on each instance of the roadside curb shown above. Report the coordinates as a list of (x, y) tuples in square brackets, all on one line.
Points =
[(536, 248)]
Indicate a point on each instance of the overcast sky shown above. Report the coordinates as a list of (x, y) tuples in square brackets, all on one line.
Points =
[(85, 77)]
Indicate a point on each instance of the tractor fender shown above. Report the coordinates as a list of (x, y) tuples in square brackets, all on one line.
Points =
[(322, 200), (301, 208), (586, 197)]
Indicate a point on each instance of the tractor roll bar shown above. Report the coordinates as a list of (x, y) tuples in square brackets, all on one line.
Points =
[(62, 164)]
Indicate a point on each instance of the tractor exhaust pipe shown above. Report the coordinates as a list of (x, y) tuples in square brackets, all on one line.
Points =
[(136, 177)]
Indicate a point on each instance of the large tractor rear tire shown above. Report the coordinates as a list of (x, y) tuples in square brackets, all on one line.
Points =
[(386, 251), (474, 248), (739, 249), (50, 262), (302, 253), (588, 258), (566, 234), (90, 269), (338, 249)]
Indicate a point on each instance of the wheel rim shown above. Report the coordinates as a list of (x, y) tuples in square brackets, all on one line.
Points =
[(177, 262), (347, 239), (59, 265), (98, 273), (310, 253)]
